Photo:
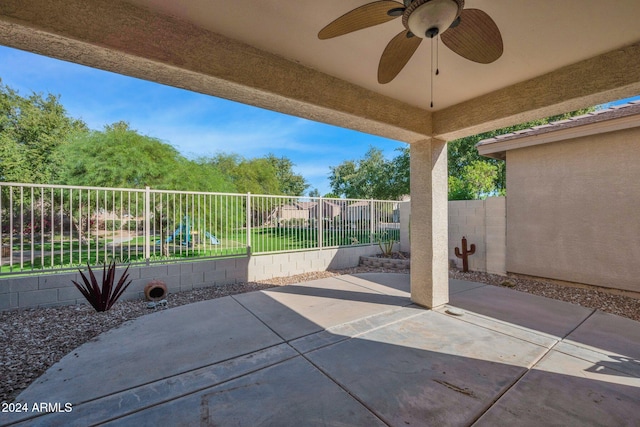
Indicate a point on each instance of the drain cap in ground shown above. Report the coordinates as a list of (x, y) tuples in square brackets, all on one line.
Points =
[(454, 311)]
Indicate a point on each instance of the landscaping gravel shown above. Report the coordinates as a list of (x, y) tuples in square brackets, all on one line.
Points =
[(34, 339)]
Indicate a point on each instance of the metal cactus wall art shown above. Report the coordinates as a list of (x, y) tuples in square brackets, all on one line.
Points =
[(465, 253)]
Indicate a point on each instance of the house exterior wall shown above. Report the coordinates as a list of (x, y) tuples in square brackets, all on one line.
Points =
[(287, 214), (331, 210), (573, 210)]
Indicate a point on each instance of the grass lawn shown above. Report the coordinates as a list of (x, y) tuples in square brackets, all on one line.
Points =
[(68, 254)]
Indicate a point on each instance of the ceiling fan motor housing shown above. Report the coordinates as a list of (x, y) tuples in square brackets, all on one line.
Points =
[(428, 18)]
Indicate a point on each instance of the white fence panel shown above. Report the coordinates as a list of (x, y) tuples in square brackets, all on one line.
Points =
[(57, 227)]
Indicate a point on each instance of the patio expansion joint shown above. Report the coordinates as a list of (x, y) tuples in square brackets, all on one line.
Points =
[(203, 388), (304, 355), (329, 330), (580, 324), (587, 348), (151, 384), (343, 279), (511, 325), (345, 389), (531, 367), (334, 329)]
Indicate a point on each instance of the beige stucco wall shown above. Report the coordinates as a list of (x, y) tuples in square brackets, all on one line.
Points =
[(405, 229), (483, 223), (574, 210)]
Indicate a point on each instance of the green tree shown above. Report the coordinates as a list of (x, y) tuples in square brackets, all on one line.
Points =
[(314, 193), (31, 129), (257, 176), (477, 181), (290, 183), (458, 189), (198, 175), (260, 175), (117, 157), (401, 183), (343, 178), (121, 157), (372, 176)]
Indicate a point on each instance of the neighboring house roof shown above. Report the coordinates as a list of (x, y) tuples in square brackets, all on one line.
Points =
[(306, 205), (619, 117), (290, 207), (330, 203)]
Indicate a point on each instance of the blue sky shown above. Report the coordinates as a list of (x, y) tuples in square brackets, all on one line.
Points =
[(195, 124)]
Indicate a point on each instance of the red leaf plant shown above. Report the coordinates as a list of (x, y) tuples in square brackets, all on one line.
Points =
[(102, 297)]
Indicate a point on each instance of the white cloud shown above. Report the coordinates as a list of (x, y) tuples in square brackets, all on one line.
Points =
[(248, 139)]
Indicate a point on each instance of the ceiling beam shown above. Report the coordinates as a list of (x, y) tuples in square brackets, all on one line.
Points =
[(116, 36), (604, 78)]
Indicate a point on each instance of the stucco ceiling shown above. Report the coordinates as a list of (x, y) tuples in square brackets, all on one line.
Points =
[(539, 36), (558, 55)]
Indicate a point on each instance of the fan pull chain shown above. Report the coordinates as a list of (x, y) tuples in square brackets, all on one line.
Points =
[(437, 55), (431, 73), (437, 64)]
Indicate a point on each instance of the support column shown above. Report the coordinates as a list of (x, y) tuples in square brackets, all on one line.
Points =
[(429, 235)]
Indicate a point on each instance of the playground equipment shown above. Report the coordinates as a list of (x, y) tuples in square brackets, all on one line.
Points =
[(212, 239), (183, 233)]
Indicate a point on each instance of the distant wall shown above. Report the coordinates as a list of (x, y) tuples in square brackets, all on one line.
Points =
[(483, 223), (58, 289), (574, 209), (268, 266), (405, 218)]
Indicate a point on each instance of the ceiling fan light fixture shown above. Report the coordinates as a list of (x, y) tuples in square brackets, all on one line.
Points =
[(428, 18)]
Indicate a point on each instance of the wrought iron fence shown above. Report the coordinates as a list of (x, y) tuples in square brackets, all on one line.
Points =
[(49, 227)]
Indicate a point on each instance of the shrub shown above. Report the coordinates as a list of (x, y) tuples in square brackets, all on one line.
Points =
[(386, 241), (103, 296)]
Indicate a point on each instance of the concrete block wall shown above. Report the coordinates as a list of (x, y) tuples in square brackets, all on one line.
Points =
[(483, 223), (289, 264), (496, 234), (467, 218), (34, 291), (405, 229), (57, 289)]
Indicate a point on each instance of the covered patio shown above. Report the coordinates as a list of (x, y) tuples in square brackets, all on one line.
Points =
[(363, 349), (352, 350), (557, 57)]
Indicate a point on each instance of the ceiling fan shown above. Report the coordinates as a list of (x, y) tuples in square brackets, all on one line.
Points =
[(470, 33)]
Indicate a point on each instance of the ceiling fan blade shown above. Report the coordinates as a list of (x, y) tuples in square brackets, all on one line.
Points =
[(476, 38), (396, 55), (362, 17)]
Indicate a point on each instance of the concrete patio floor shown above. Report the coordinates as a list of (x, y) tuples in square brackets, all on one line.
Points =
[(352, 351)]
